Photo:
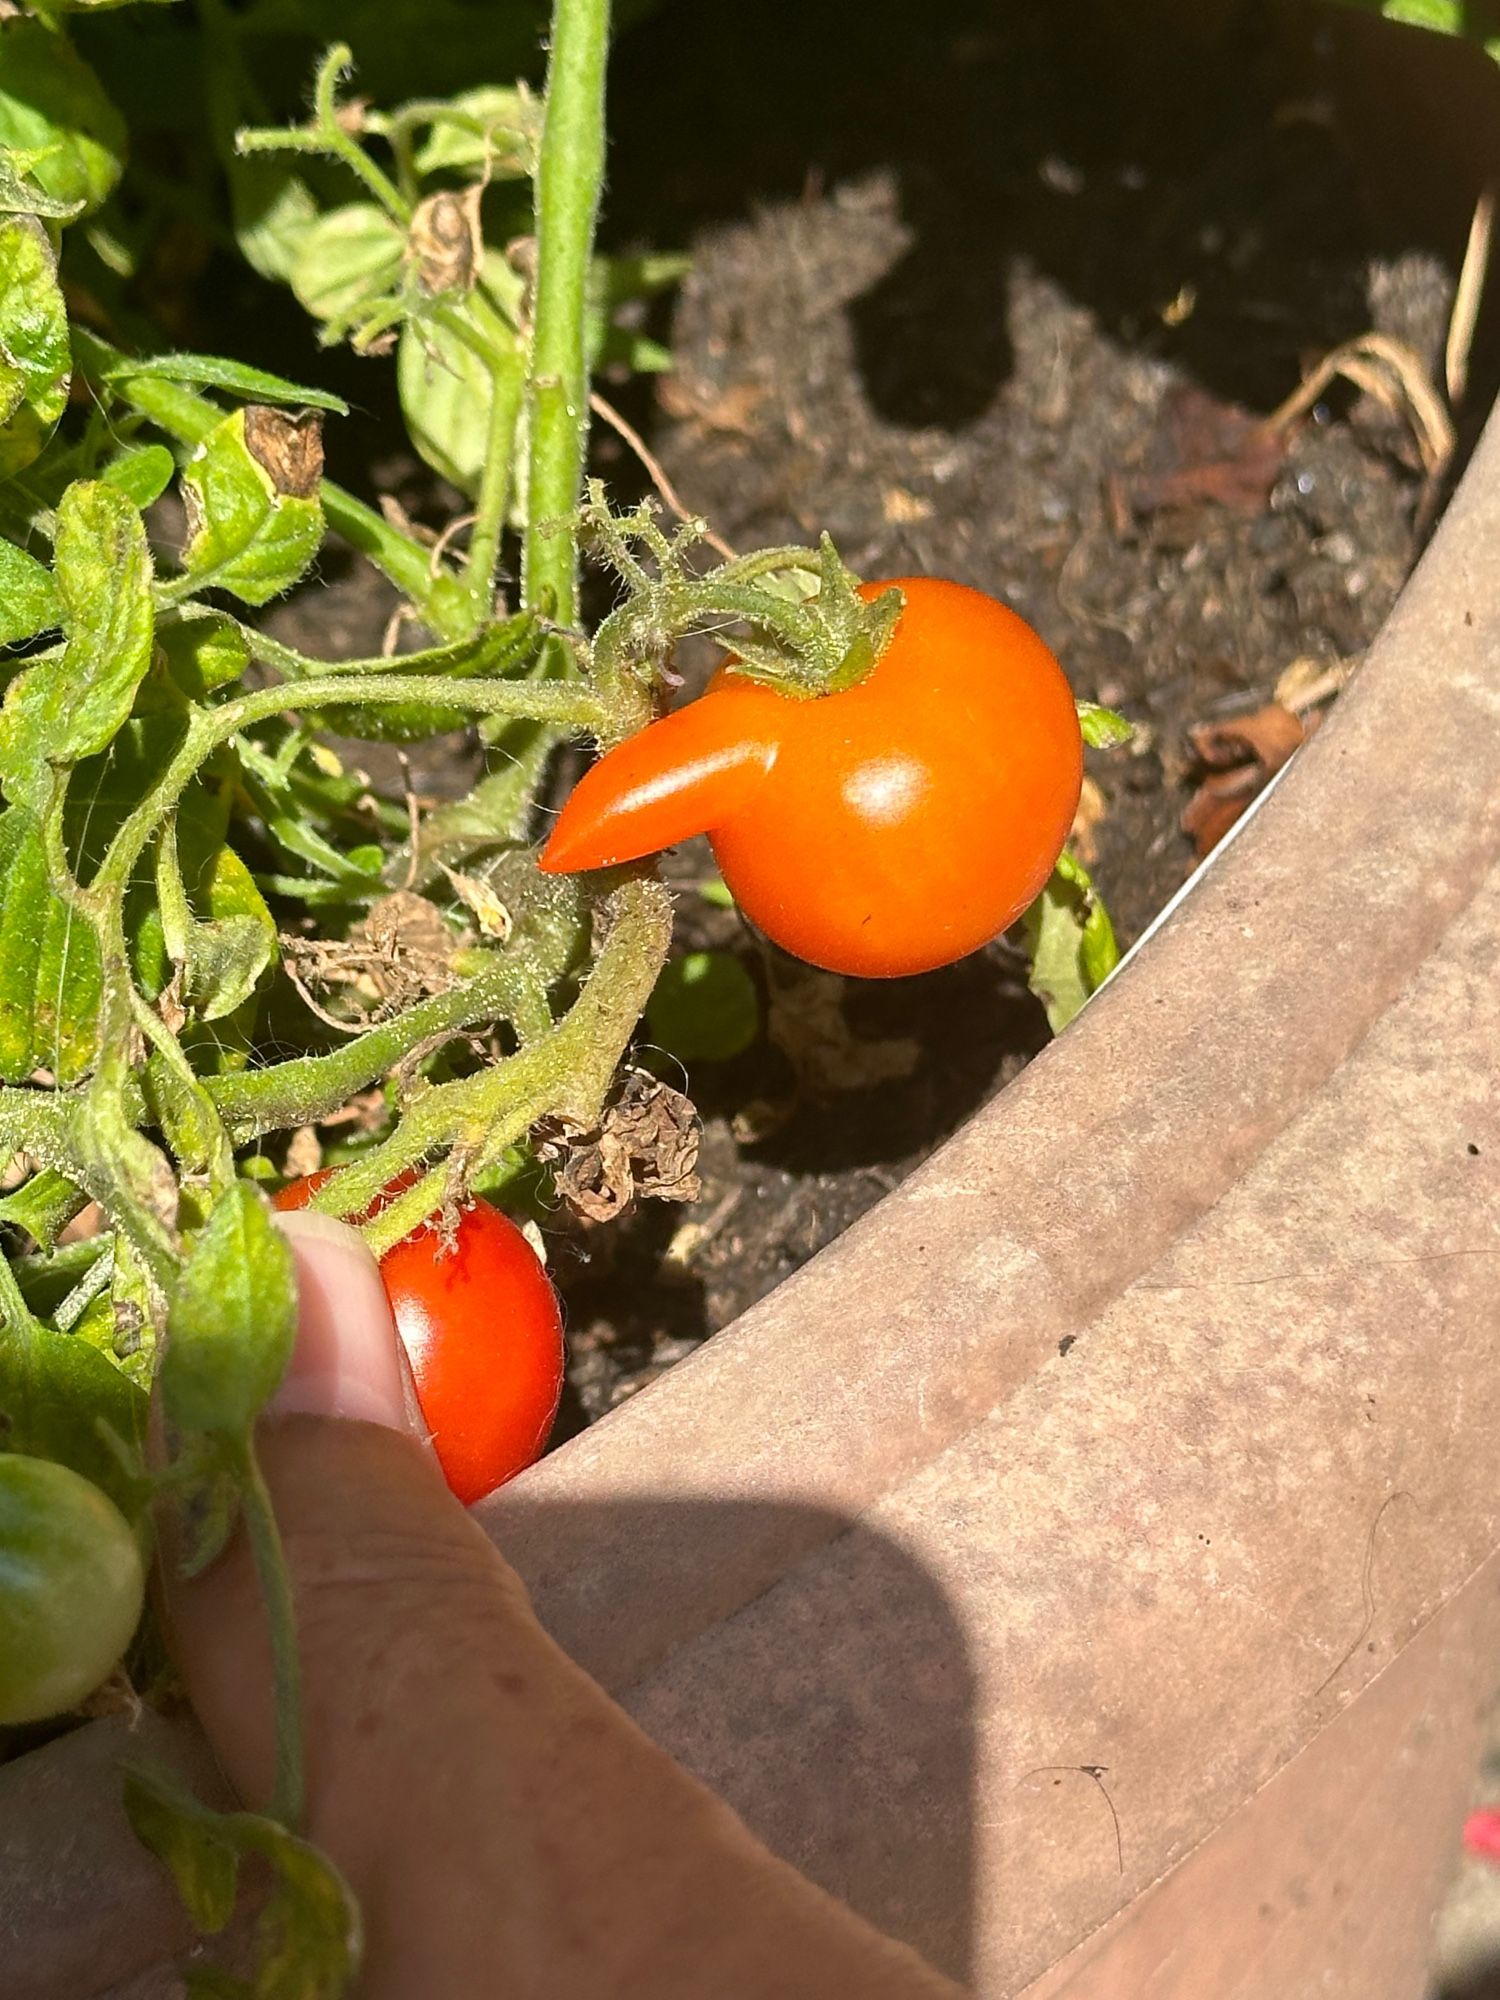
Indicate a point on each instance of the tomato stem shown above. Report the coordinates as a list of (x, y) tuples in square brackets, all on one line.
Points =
[(566, 1072), (303, 1089), (570, 173), (288, 1798), (507, 392)]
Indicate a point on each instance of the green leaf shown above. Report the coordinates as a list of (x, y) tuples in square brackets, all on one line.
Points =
[(255, 521), (273, 209), (142, 472), (28, 598), (103, 790), (53, 107), (215, 921), (203, 653), (50, 970), (1479, 20), (704, 1007), (280, 803), (627, 347), (42, 1206), (206, 1488), (231, 1319), (60, 1398), (207, 371), (308, 1934), (1446, 17), (21, 195), (49, 9), (133, 1329), (1071, 942), (491, 131), (619, 281), (191, 1839), (35, 358), (69, 704), (1102, 729), (446, 392), (347, 259)]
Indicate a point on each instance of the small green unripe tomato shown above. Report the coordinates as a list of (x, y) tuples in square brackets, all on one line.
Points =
[(71, 1587)]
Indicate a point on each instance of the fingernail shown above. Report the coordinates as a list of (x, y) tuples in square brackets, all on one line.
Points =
[(347, 1360)]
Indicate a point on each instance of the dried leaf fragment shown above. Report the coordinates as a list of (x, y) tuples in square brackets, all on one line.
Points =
[(1207, 452), (480, 900), (288, 449), (645, 1146), (1092, 808), (806, 1021), (707, 409), (1240, 756), (446, 242)]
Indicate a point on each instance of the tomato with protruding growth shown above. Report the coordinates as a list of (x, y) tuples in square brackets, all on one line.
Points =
[(885, 829), (482, 1329), (72, 1587)]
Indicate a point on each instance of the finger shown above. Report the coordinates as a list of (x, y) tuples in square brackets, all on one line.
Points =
[(384, 1563)]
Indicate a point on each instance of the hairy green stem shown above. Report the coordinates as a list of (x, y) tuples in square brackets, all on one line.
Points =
[(567, 1071), (306, 1088), (570, 173), (34, 1122), (507, 392), (288, 1798), (338, 60), (563, 706), (15, 1314), (327, 135), (192, 1127)]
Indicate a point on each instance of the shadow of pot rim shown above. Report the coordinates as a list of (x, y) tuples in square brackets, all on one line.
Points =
[(905, 1334)]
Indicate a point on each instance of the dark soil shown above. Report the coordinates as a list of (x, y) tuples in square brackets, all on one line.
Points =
[(993, 293), (961, 292)]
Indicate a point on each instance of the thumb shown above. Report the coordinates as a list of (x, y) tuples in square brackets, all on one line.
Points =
[(392, 1582)]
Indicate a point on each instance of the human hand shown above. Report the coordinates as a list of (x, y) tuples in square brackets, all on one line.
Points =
[(504, 1825)]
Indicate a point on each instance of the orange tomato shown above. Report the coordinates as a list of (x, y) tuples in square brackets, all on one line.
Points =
[(887, 829)]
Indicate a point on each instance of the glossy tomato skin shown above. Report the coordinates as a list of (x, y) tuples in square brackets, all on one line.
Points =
[(71, 1587), (483, 1333), (888, 829)]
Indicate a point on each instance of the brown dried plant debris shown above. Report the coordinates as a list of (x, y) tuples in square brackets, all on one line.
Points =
[(1204, 452), (805, 1019), (445, 241), (399, 953), (645, 1147), (1092, 808), (289, 449), (730, 410), (304, 1153), (1395, 377), (1239, 756)]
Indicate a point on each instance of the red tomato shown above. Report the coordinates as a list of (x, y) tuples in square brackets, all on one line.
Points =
[(483, 1332), (887, 829)]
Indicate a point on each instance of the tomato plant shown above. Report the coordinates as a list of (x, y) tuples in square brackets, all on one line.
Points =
[(482, 1329), (220, 944), (71, 1587), (885, 828)]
